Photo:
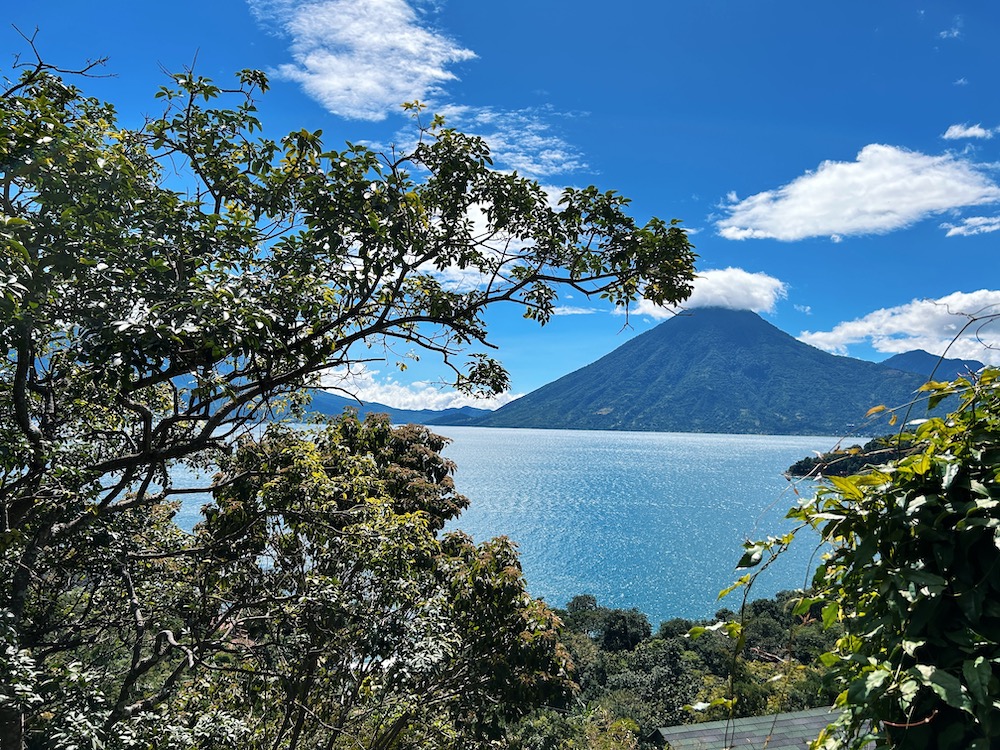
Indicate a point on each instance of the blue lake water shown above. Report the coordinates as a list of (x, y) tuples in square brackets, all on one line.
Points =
[(638, 519)]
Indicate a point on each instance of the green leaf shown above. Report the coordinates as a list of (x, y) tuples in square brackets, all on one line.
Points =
[(846, 487), (831, 614), (830, 659), (743, 580), (977, 673), (804, 604), (947, 687), (908, 691), (752, 556)]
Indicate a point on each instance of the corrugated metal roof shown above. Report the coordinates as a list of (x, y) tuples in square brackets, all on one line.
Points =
[(788, 731)]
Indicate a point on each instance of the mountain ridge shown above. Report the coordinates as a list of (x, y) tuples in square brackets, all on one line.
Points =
[(932, 366), (713, 370), (332, 404)]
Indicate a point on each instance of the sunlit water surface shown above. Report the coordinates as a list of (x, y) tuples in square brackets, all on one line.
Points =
[(638, 519)]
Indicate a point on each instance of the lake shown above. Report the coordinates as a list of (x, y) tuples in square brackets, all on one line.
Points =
[(638, 519)]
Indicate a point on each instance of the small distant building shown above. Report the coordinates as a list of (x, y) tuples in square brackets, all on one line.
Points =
[(788, 731)]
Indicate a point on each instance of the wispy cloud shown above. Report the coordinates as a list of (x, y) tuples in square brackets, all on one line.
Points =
[(571, 310), (362, 58), (955, 31), (367, 386), (886, 188), (500, 250), (732, 288), (956, 132), (461, 280), (522, 140), (928, 324), (973, 225)]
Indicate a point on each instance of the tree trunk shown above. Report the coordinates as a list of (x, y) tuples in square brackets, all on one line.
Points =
[(11, 729)]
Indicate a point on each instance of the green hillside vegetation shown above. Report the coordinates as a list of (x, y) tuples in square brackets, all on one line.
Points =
[(714, 370), (632, 680), (910, 575), (856, 459)]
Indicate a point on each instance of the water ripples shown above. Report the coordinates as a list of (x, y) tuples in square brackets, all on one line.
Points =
[(650, 520)]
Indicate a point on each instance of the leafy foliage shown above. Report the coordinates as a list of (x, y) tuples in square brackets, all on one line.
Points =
[(316, 605), (352, 615), (856, 459), (163, 290), (672, 678), (911, 577)]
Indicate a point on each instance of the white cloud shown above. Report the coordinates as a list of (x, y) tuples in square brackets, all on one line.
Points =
[(362, 58), (521, 140), (367, 386), (973, 225), (955, 132), (963, 81), (455, 279), (885, 189), (731, 288), (571, 310), (928, 324), (805, 309), (955, 31)]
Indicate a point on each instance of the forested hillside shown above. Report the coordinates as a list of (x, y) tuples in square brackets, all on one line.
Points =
[(634, 678), (332, 404)]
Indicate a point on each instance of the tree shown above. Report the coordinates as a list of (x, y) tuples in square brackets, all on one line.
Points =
[(911, 575), (583, 615), (613, 629), (164, 289), (624, 629), (350, 612)]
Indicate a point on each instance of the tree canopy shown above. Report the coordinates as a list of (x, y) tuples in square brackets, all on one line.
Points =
[(165, 288), (910, 574), (913, 579)]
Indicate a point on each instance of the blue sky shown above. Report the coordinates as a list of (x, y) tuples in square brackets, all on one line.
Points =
[(837, 164)]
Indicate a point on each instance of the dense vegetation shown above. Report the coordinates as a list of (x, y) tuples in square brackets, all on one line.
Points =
[(856, 459), (632, 680), (714, 370), (163, 290), (911, 576)]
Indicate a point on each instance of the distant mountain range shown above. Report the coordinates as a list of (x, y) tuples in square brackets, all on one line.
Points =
[(708, 370), (715, 370), (332, 404), (933, 366)]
